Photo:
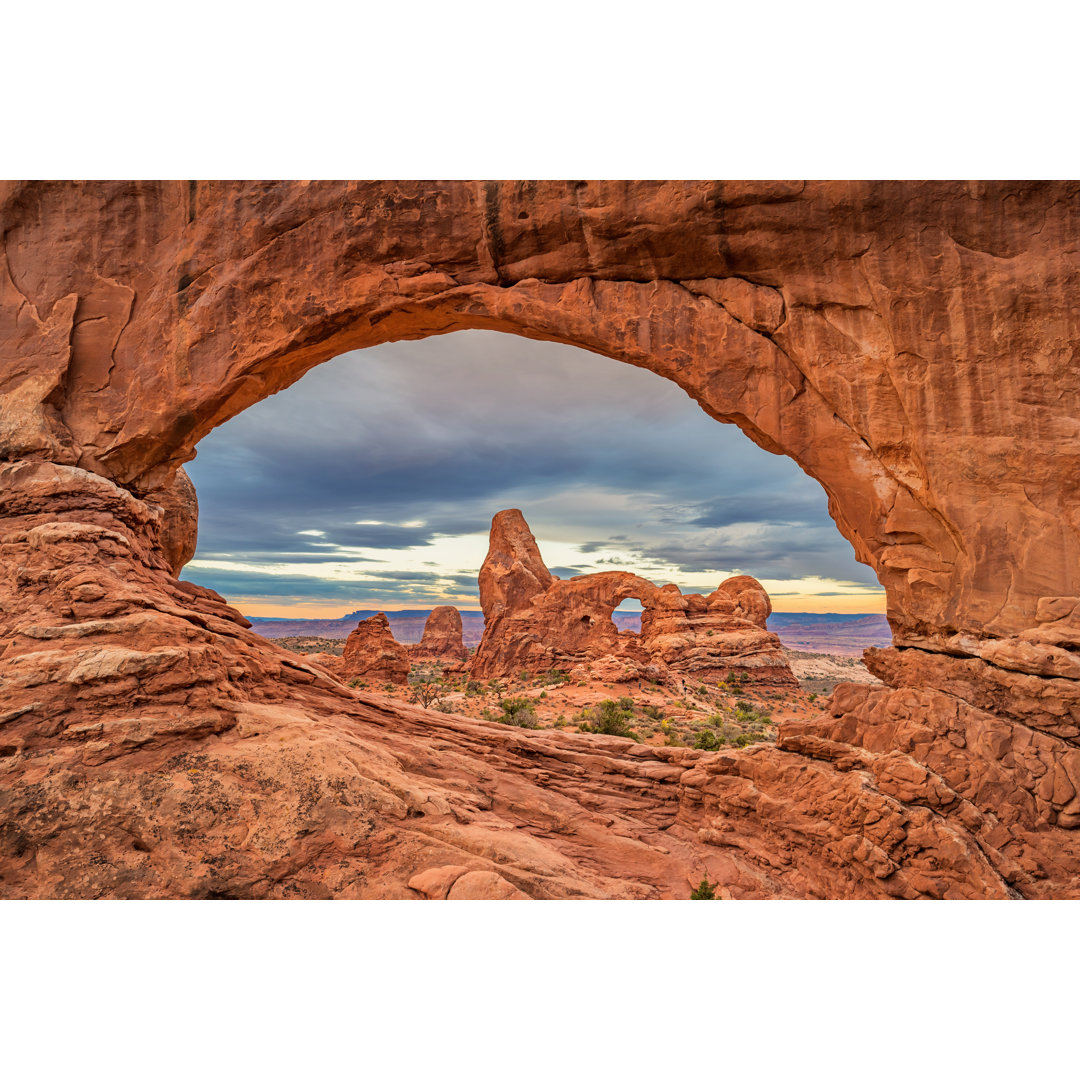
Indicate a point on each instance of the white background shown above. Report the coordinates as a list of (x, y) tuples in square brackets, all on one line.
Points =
[(544, 90)]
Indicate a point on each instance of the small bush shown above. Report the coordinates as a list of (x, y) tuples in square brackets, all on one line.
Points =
[(613, 718), (518, 712), (426, 691), (705, 891), (609, 718), (706, 740), (357, 684)]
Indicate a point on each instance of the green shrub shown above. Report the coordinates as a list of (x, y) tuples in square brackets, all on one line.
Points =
[(613, 717), (705, 891), (518, 712), (706, 740), (610, 718)]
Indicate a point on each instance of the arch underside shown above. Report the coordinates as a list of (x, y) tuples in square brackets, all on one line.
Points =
[(909, 346)]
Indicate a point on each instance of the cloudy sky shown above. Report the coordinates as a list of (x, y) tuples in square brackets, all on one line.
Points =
[(371, 483)]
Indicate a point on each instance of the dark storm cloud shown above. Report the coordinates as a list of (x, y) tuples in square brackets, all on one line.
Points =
[(792, 507), (298, 588), (424, 440), (283, 554), (779, 554)]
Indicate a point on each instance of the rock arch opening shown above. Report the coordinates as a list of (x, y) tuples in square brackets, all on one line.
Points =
[(405, 452)]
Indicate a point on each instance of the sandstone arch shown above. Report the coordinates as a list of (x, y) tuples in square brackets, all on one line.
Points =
[(909, 345), (533, 621)]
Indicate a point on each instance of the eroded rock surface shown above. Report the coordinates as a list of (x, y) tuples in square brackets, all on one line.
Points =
[(372, 654), (535, 622), (443, 639), (910, 345)]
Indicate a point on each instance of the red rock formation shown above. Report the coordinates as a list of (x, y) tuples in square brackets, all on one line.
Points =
[(711, 637), (910, 345), (372, 654), (535, 622), (442, 638)]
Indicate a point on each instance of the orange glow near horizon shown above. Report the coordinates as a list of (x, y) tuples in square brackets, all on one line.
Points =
[(839, 605), (873, 604)]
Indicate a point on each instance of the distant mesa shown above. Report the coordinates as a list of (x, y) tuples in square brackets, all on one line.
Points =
[(408, 625)]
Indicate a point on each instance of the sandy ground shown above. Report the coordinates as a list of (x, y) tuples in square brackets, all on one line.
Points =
[(819, 672)]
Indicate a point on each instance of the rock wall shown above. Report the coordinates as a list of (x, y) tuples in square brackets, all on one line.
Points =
[(535, 622), (910, 345)]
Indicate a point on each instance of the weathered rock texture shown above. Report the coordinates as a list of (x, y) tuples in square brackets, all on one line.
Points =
[(911, 345), (372, 654), (443, 639), (535, 622)]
